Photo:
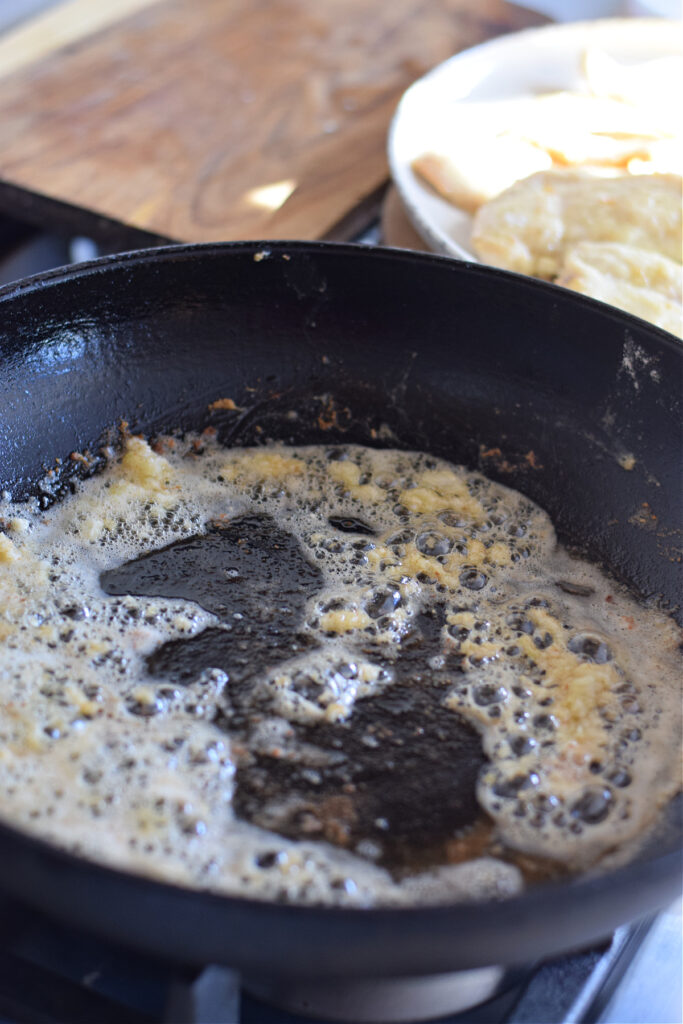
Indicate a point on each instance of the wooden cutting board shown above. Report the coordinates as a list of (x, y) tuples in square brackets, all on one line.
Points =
[(202, 120)]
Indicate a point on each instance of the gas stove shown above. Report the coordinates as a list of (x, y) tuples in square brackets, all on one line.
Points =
[(50, 974)]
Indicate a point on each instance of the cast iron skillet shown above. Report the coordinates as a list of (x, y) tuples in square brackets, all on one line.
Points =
[(543, 389)]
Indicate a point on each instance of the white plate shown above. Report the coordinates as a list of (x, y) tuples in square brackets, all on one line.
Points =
[(509, 68)]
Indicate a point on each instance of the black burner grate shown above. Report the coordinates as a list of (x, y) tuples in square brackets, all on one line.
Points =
[(50, 974)]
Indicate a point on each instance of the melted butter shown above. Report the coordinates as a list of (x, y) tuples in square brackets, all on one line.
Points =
[(158, 731)]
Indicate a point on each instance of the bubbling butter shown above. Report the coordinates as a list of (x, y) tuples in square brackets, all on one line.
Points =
[(572, 688)]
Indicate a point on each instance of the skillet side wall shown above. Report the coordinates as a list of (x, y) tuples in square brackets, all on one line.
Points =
[(544, 390)]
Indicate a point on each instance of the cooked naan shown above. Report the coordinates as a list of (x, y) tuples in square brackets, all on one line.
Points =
[(531, 226), (469, 177), (641, 282)]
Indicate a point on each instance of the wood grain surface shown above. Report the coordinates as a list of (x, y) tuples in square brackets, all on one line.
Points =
[(59, 27), (224, 119)]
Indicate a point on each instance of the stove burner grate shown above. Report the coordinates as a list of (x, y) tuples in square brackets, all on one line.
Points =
[(50, 974)]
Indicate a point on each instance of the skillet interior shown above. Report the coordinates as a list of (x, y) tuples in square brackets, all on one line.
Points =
[(544, 390)]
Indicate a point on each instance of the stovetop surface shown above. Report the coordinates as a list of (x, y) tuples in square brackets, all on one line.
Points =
[(50, 974)]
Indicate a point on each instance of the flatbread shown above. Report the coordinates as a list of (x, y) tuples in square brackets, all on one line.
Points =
[(641, 282), (576, 128), (531, 226), (491, 145), (482, 170), (655, 83), (663, 157)]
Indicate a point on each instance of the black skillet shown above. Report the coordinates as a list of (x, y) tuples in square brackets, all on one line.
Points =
[(545, 390)]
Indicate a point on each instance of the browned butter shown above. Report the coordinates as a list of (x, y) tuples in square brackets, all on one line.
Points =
[(335, 675)]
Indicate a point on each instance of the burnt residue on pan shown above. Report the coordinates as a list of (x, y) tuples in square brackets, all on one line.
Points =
[(262, 413), (398, 786), (249, 573)]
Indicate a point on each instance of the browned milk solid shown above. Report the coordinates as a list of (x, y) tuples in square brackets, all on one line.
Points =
[(574, 689)]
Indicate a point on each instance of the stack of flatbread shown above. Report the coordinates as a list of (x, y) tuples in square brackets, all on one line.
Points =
[(583, 188)]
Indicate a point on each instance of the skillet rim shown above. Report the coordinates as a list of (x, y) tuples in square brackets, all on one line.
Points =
[(162, 253), (659, 874)]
